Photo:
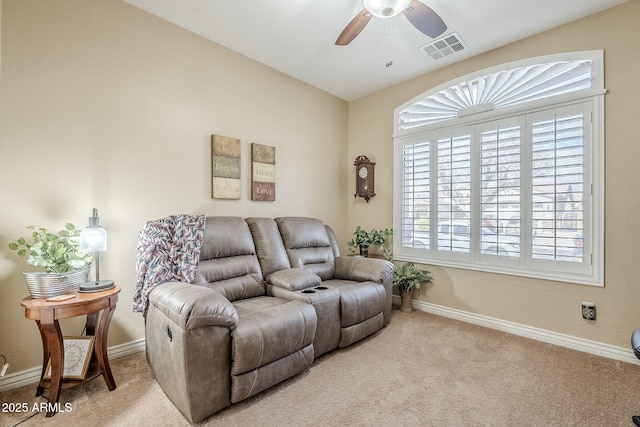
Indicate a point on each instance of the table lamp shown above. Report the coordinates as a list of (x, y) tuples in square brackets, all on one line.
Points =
[(94, 239)]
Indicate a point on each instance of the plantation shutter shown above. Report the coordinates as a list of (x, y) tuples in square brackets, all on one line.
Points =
[(500, 192), (454, 193), (558, 185), (416, 170)]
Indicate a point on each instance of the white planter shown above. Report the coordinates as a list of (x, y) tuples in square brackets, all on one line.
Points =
[(46, 285)]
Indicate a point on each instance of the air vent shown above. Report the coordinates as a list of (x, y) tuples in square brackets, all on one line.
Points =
[(444, 46)]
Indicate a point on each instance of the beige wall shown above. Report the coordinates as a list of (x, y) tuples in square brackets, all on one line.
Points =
[(542, 304), (103, 105)]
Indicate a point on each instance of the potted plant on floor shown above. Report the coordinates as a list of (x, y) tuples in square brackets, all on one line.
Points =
[(363, 240), (408, 277), (65, 265)]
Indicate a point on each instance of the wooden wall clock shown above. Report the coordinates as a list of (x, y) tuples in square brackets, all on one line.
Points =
[(365, 178)]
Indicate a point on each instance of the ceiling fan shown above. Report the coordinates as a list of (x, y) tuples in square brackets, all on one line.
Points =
[(420, 15)]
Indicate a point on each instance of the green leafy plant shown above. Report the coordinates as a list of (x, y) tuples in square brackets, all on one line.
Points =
[(374, 237), (56, 253), (408, 276)]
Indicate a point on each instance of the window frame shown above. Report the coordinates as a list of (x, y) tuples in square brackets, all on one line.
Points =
[(591, 271)]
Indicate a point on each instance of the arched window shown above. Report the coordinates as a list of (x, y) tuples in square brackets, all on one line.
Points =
[(502, 171)]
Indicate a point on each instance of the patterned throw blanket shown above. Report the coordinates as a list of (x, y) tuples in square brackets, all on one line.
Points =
[(168, 251)]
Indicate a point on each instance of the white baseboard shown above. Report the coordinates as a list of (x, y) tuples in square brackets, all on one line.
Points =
[(562, 340), (32, 375)]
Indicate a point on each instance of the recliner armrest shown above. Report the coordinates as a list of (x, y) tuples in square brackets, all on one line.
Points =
[(192, 306), (294, 279), (363, 269)]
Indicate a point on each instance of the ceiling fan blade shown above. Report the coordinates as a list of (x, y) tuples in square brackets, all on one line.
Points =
[(354, 27), (425, 19)]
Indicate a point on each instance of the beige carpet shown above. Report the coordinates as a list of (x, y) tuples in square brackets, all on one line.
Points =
[(421, 370)]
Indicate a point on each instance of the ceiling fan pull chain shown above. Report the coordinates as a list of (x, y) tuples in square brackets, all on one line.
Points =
[(390, 34)]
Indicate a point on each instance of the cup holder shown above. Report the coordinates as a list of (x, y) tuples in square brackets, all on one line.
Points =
[(313, 291)]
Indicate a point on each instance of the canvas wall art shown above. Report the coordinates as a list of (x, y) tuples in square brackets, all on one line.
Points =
[(263, 172), (225, 167)]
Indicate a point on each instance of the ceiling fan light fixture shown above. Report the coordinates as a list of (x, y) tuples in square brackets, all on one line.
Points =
[(386, 8)]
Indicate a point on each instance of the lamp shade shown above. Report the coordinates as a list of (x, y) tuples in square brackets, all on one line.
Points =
[(386, 8), (93, 239)]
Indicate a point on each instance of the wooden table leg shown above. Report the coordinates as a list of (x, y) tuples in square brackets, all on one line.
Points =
[(45, 359), (101, 343), (90, 325), (54, 343)]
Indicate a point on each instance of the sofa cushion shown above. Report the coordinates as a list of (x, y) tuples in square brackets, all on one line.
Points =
[(268, 329), (359, 301), (354, 333), (253, 382), (228, 260), (269, 247), (302, 232), (235, 278), (226, 236), (308, 245)]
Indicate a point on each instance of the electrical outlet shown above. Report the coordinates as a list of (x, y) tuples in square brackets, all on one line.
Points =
[(588, 310)]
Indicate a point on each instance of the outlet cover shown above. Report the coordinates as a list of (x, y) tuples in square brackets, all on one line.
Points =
[(588, 310)]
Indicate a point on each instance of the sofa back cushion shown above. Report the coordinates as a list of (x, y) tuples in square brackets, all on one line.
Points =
[(333, 241), (269, 247), (228, 260), (308, 245)]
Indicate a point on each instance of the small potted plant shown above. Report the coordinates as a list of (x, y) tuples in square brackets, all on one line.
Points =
[(364, 239), (408, 277), (65, 265)]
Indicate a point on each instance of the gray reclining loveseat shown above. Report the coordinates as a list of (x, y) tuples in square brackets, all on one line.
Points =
[(269, 295)]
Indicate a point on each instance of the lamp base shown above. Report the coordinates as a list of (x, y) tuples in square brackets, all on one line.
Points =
[(96, 286)]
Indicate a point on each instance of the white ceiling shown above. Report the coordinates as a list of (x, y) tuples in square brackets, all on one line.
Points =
[(297, 37)]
